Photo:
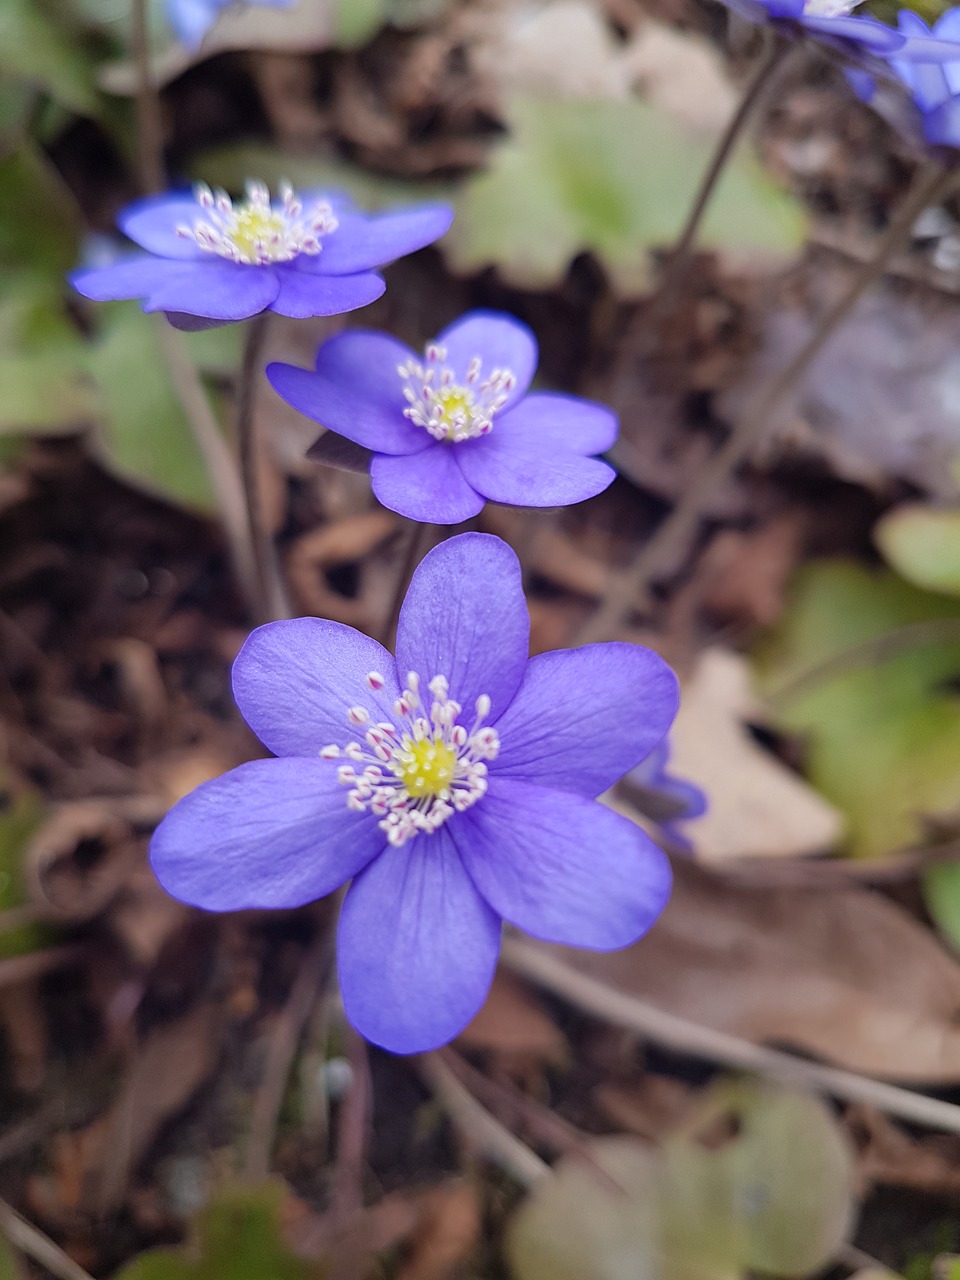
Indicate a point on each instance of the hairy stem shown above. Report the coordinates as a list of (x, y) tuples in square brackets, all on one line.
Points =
[(929, 185), (272, 596), (149, 119)]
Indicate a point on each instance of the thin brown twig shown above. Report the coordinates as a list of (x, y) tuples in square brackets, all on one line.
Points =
[(626, 588), (481, 1129), (23, 1235), (272, 595), (217, 458), (149, 118), (679, 1034), (287, 1031)]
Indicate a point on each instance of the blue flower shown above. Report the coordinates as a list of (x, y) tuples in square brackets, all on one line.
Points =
[(934, 87), (454, 786), (665, 798), (454, 428), (301, 255), (829, 20), (192, 19)]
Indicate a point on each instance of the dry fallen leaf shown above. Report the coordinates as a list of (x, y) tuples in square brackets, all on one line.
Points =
[(513, 1025), (758, 807), (840, 973)]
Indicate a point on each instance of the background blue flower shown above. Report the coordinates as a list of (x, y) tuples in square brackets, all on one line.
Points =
[(454, 429), (192, 19), (302, 255), (521, 839)]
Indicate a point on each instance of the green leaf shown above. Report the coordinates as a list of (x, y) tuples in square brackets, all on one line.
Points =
[(39, 222), (238, 1237), (21, 812), (38, 47), (143, 434), (777, 1198), (616, 178), (940, 884), (357, 21), (861, 664), (923, 545)]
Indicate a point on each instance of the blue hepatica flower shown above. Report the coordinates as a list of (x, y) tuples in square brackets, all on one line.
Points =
[(454, 786), (192, 19), (665, 798), (302, 255), (830, 20), (934, 88), (454, 428)]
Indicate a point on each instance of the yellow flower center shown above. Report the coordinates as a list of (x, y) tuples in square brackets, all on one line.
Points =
[(255, 229), (426, 767), (453, 406)]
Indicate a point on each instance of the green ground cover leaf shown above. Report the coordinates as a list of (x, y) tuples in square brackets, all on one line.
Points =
[(923, 545), (39, 47), (777, 1198), (612, 177), (237, 1237), (862, 665), (21, 812)]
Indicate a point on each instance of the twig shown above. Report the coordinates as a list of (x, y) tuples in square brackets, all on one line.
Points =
[(487, 1134), (418, 539), (353, 1122), (272, 596), (35, 963), (149, 120), (219, 462), (283, 1046), (697, 1041), (23, 1235), (931, 183)]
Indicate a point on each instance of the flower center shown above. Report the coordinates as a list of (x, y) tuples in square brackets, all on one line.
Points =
[(254, 231), (830, 8), (453, 411), (417, 775)]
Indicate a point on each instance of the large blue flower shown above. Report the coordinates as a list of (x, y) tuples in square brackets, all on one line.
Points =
[(454, 428), (302, 255), (454, 785), (192, 19)]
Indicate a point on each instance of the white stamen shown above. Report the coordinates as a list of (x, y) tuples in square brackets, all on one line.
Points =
[(416, 775), (255, 231), (449, 410)]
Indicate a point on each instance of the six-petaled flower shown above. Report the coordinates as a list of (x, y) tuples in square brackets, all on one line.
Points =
[(454, 428), (453, 786), (211, 260)]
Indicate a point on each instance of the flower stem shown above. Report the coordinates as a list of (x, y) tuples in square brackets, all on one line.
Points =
[(220, 465), (149, 120), (418, 540), (678, 259), (272, 596), (930, 184)]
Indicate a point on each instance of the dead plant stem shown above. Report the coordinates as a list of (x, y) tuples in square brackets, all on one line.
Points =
[(353, 1125), (682, 1036), (629, 586), (28, 1239), (271, 593)]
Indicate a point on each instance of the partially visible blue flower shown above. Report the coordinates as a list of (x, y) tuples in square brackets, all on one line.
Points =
[(664, 798), (934, 87), (454, 786), (454, 428), (192, 19), (210, 258), (830, 20)]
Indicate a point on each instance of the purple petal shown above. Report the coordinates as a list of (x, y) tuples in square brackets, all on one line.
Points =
[(303, 295), (558, 421), (417, 947), (501, 341), (295, 680), (530, 475), (153, 223), (134, 277), (941, 127), (271, 833), (862, 31), (219, 289), (465, 617), (356, 391), (784, 9), (583, 717), (562, 868), (363, 241), (426, 486)]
